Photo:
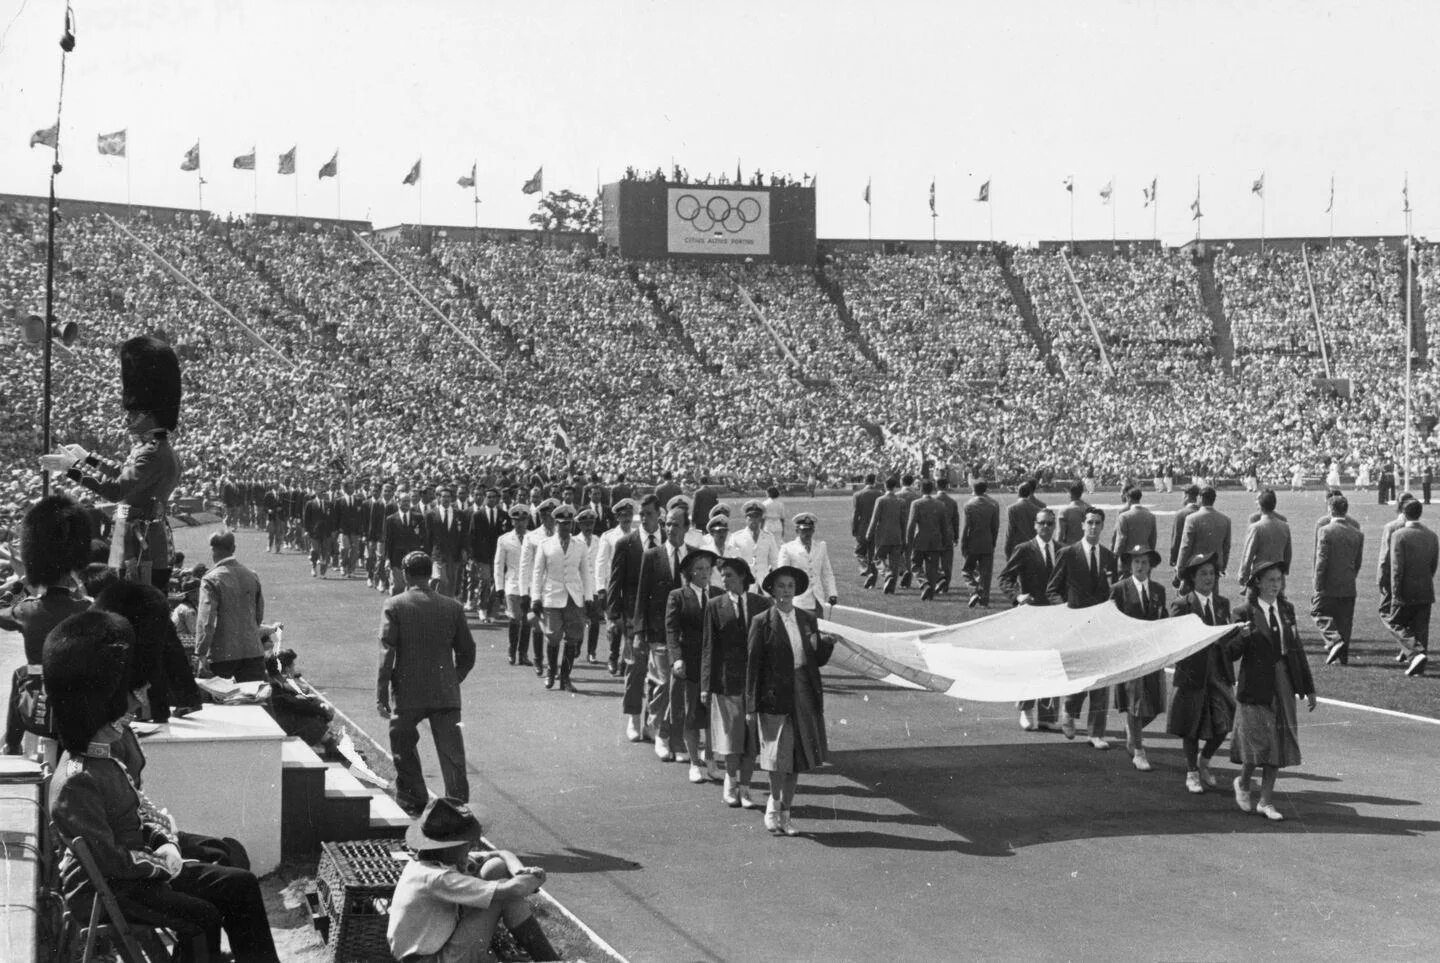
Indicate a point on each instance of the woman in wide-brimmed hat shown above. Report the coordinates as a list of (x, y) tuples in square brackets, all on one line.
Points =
[(784, 692), (1202, 706), (1273, 672), (1142, 699), (722, 677), (684, 638)]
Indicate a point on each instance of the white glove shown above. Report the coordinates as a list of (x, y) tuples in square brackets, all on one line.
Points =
[(170, 853), (57, 463)]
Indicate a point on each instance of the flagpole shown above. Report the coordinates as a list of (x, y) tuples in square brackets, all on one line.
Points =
[(990, 211), (295, 176), (1199, 211), (199, 179), (128, 212), (1331, 210), (420, 194), (1071, 190), (1409, 331), (1154, 212), (1114, 235), (255, 184), (1262, 215)]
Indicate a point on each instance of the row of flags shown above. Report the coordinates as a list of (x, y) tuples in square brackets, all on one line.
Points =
[(1149, 192), (113, 145)]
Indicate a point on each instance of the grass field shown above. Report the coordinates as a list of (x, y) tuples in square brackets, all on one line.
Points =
[(1372, 677)]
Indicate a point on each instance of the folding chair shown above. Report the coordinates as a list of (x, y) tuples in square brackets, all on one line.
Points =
[(136, 943)]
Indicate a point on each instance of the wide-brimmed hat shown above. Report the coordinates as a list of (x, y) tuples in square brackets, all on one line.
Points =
[(1134, 550), (741, 568), (443, 823), (802, 579), (1261, 567), (695, 556), (1188, 569)]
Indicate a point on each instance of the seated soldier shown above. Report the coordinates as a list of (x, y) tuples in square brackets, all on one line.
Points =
[(87, 671), (447, 903)]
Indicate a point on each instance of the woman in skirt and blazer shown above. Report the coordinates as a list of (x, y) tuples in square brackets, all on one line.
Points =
[(784, 694), (1202, 708), (1273, 672), (1142, 699)]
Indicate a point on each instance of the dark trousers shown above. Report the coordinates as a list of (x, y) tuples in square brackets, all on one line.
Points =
[(947, 565), (1410, 624), (864, 555), (14, 727), (614, 634), (1099, 710), (1047, 710), (410, 790), (241, 670), (633, 702), (931, 568), (519, 639), (891, 560), (979, 569), (202, 900), (1335, 618)]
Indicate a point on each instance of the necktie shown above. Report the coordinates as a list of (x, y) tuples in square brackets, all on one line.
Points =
[(1275, 627), (1209, 615), (1049, 561), (675, 562), (1094, 564), (740, 607), (1145, 600)]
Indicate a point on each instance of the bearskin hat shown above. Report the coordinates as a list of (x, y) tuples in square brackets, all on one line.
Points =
[(147, 611), (150, 379), (54, 540), (85, 665)]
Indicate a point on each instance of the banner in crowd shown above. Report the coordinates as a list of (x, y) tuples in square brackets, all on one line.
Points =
[(703, 221), (1028, 652)]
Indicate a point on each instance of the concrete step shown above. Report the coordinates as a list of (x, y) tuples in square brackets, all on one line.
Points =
[(345, 813), (302, 798)]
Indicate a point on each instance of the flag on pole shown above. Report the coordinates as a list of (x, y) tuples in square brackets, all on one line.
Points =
[(932, 197), (867, 190), (1070, 183), (739, 177), (287, 161), (1405, 194), (192, 159), (414, 175), (245, 162), (331, 167), (1106, 191), (561, 438), (535, 184), (111, 145), (49, 137), (1149, 192), (984, 196), (1331, 206), (467, 181), (1195, 205), (1259, 186)]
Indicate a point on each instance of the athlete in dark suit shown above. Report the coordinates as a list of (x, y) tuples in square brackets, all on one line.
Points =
[(1414, 554), (886, 535), (1338, 551), (862, 507), (1025, 580), (977, 543), (1020, 517), (1083, 573), (660, 574), (927, 533)]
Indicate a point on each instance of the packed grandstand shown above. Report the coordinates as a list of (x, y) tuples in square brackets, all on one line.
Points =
[(975, 355)]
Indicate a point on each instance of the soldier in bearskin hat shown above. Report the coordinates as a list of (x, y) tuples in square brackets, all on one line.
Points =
[(140, 546)]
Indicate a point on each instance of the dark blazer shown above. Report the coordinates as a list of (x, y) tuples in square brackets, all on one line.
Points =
[(1070, 522), (604, 518), (685, 627), (485, 532), (1072, 585), (705, 499), (770, 664), (1338, 550), (1026, 573), (351, 518), (426, 651), (667, 491), (982, 526), (403, 534), (625, 575), (442, 542), (1414, 552), (1126, 597), (319, 519), (927, 529), (1134, 526), (374, 511), (1206, 530), (1259, 652), (1192, 671), (887, 521), (725, 644), (952, 515), (652, 592), (1186, 510), (864, 506), (1020, 522), (1267, 538)]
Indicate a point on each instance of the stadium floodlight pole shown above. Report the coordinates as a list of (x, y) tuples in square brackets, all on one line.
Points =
[(428, 303), (185, 278)]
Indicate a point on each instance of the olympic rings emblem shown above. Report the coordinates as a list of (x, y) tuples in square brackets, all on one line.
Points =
[(717, 212)]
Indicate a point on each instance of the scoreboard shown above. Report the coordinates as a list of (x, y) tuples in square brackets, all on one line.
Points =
[(655, 219)]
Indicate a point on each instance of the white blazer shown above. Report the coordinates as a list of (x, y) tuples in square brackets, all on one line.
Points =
[(816, 564), (562, 574), (507, 565)]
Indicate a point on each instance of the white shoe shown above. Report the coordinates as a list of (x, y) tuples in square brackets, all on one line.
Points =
[(1141, 762), (1242, 797), (1416, 667), (1098, 743), (1206, 776), (1026, 722), (632, 729), (1192, 783), (1269, 812), (786, 826), (697, 775), (746, 800), (728, 795), (682, 757), (662, 751), (772, 819)]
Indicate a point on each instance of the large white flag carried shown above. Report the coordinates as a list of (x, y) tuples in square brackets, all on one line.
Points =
[(1029, 652)]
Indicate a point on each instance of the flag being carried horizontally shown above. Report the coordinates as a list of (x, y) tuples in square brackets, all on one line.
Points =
[(331, 167), (1259, 186), (245, 162), (1106, 191), (984, 196), (192, 159), (287, 161), (467, 181), (1149, 192), (535, 184), (111, 145), (49, 137), (414, 175)]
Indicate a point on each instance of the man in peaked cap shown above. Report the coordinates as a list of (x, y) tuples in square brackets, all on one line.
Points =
[(141, 547), (562, 591)]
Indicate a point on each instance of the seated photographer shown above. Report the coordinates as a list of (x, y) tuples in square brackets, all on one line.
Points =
[(448, 902), (297, 708)]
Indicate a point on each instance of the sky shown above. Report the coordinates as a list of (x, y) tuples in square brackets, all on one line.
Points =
[(896, 93)]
